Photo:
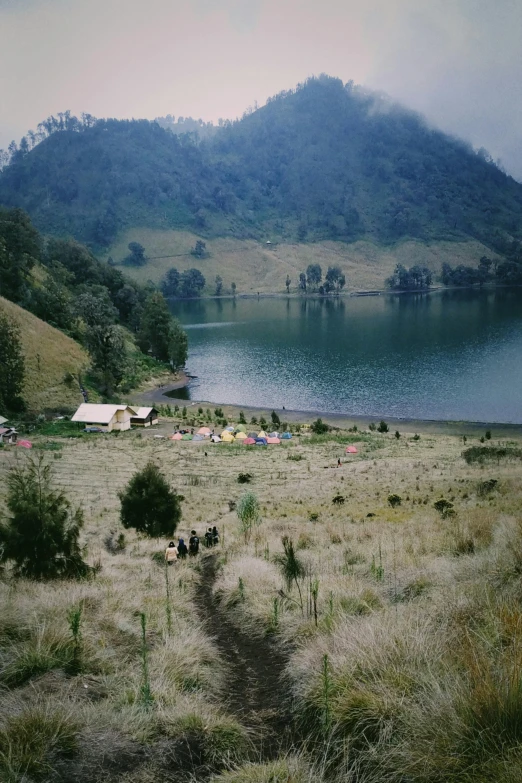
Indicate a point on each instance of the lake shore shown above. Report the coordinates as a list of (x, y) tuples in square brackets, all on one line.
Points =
[(165, 395)]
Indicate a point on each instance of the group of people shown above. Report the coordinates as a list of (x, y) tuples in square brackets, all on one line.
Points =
[(180, 550)]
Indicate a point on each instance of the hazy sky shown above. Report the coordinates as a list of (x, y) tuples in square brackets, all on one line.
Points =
[(457, 61)]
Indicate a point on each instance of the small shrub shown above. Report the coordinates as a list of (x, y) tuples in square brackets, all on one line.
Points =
[(319, 427), (394, 500), (31, 740), (338, 500), (383, 427), (372, 426), (149, 505), (488, 434), (416, 437), (244, 478), (115, 544), (482, 454), (313, 517), (484, 488), (295, 457), (444, 507)]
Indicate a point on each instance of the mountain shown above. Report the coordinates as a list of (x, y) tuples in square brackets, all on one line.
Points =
[(53, 361), (323, 161)]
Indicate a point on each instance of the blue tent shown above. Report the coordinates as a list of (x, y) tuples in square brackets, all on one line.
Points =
[(261, 442), (286, 435)]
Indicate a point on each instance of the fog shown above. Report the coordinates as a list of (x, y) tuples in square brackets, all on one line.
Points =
[(458, 62)]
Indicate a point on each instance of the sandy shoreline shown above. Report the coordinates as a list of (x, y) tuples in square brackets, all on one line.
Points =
[(159, 396)]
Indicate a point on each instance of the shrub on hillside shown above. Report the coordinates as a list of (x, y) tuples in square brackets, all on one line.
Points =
[(41, 537), (319, 427), (149, 505)]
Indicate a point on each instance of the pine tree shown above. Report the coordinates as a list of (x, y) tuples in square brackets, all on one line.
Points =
[(149, 505), (42, 534)]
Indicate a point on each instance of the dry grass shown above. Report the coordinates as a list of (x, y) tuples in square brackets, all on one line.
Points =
[(49, 356), (254, 267), (419, 616)]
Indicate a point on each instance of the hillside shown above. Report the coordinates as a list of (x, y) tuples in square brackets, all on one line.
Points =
[(255, 266), (393, 655), (50, 356), (322, 162)]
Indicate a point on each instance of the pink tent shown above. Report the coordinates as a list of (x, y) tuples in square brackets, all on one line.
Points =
[(176, 436), (273, 440), (351, 450), (248, 441), (25, 444), (204, 431)]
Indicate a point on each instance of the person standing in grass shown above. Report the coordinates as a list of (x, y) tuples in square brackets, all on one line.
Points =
[(209, 538), (215, 536), (171, 553), (193, 544), (182, 549)]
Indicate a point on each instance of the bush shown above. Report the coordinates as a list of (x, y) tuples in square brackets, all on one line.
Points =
[(244, 478), (394, 500), (372, 427), (383, 427), (42, 535), (338, 500), (31, 740), (484, 488), (149, 505), (247, 511), (319, 427), (482, 454), (444, 507)]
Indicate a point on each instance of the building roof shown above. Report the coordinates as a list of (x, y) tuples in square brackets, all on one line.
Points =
[(142, 413), (98, 414)]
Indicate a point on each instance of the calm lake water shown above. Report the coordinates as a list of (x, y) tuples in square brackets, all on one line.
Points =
[(448, 355)]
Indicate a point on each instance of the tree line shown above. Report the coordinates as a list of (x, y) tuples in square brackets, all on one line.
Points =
[(312, 280)]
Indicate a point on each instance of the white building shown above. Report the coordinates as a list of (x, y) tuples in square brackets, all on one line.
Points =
[(106, 417)]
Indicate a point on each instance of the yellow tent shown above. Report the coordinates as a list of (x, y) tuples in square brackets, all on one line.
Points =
[(240, 435), (262, 434), (227, 437)]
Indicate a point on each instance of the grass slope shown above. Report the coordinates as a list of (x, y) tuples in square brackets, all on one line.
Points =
[(49, 355), (419, 617), (255, 267)]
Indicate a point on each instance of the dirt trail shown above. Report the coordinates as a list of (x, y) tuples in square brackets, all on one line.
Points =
[(254, 682)]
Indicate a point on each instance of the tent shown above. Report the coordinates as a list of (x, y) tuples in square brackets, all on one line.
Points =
[(176, 436), (286, 435), (241, 428), (270, 439), (229, 428), (25, 444), (227, 437), (261, 434), (252, 435), (204, 431), (198, 437), (249, 441), (274, 435), (215, 439), (261, 442), (351, 450), (187, 436), (240, 435)]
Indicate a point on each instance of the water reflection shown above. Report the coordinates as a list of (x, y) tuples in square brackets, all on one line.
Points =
[(454, 354)]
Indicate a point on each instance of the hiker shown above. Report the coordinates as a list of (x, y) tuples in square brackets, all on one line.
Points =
[(339, 462), (171, 553), (193, 543), (182, 549), (215, 536), (209, 537)]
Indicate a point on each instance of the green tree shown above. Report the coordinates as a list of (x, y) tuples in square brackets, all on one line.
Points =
[(149, 505), (276, 421), (200, 249), (219, 285), (302, 281), (314, 275), (136, 255), (20, 247), (12, 374), (170, 283), (233, 287), (288, 282), (161, 334), (41, 537), (192, 282), (106, 346), (95, 308)]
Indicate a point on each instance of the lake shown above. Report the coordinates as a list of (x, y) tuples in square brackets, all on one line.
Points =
[(451, 355)]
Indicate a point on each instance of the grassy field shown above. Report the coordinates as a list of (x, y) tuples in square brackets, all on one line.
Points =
[(50, 357), (402, 633), (254, 267)]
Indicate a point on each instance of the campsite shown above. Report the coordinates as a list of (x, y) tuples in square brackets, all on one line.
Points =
[(389, 597)]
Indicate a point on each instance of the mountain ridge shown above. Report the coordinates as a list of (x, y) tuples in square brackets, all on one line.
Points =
[(324, 161)]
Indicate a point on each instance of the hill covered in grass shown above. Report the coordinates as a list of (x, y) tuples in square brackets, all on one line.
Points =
[(53, 361), (325, 161)]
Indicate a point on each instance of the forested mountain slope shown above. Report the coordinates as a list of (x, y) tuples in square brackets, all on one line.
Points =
[(324, 161)]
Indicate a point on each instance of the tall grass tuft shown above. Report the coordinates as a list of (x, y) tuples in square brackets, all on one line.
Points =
[(145, 694)]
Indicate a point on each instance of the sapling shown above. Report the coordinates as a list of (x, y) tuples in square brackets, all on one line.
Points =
[(291, 567), (146, 695), (241, 588), (75, 624), (314, 590)]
